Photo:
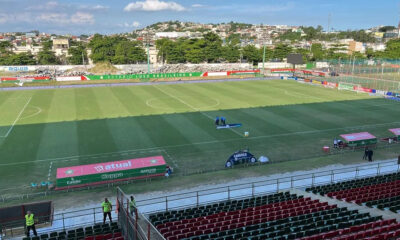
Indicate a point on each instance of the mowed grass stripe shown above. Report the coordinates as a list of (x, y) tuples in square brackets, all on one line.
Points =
[(23, 144), (93, 135), (58, 139)]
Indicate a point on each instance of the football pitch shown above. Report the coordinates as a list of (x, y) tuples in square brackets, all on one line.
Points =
[(42, 130)]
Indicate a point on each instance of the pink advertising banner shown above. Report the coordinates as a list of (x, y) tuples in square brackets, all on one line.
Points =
[(357, 136), (396, 131), (99, 168)]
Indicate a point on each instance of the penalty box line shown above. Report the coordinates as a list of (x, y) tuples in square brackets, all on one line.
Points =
[(18, 117)]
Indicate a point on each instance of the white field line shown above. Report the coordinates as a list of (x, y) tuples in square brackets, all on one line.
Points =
[(160, 148), (170, 158), (39, 110), (16, 120), (194, 108), (48, 176)]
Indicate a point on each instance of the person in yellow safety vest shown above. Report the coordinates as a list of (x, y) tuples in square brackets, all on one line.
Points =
[(106, 207), (132, 206), (30, 223)]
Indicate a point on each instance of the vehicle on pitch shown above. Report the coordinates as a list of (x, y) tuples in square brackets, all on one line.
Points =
[(239, 157)]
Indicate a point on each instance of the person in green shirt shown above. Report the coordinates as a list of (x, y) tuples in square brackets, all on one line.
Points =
[(132, 205), (30, 223), (106, 207)]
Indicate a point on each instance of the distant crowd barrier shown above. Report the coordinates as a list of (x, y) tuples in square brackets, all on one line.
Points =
[(348, 87)]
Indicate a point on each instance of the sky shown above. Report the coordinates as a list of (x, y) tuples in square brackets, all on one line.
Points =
[(117, 16)]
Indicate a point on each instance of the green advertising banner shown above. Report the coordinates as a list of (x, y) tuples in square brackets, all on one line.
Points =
[(144, 76), (344, 86)]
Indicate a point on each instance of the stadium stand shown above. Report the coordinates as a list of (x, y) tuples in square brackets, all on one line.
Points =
[(382, 191), (277, 216), (95, 232)]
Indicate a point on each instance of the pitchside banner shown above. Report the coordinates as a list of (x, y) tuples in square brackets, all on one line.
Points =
[(143, 76), (344, 86), (99, 173), (24, 79)]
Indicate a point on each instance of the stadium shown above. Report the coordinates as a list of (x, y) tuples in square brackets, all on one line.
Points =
[(77, 140), (116, 124)]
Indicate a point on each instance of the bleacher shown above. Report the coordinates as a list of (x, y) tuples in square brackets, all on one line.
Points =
[(277, 216), (382, 191), (95, 232)]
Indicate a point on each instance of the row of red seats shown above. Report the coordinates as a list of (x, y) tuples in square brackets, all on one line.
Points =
[(191, 229), (366, 189), (242, 212), (249, 215), (366, 230), (365, 198), (108, 236), (369, 187), (274, 207)]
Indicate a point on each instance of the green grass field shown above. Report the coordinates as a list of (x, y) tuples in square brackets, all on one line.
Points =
[(41, 130)]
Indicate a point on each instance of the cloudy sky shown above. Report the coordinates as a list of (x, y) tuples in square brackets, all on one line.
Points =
[(113, 16)]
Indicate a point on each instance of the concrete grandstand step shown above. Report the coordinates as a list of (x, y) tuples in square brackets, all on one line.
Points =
[(386, 214)]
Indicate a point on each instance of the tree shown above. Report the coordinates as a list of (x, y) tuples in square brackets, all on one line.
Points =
[(129, 52), (212, 47), (47, 45), (386, 28), (392, 50), (231, 53), (77, 54), (47, 57), (4, 47), (252, 54), (21, 59), (281, 51), (194, 50), (164, 47), (317, 52)]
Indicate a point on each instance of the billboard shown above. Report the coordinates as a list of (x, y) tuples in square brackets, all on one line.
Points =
[(100, 173), (295, 58)]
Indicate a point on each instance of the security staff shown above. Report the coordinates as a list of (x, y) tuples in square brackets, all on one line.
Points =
[(106, 207), (30, 223), (132, 205)]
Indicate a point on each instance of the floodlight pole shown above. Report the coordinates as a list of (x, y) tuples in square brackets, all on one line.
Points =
[(148, 59), (263, 60)]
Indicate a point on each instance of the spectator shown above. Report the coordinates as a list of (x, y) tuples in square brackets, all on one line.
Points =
[(217, 121), (106, 207), (370, 154), (398, 160), (30, 223), (168, 171), (366, 152), (132, 205), (335, 143)]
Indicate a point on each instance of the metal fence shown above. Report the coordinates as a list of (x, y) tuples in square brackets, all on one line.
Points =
[(191, 199), (60, 222), (134, 225)]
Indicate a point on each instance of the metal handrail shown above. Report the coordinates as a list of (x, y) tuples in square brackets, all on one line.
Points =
[(276, 185)]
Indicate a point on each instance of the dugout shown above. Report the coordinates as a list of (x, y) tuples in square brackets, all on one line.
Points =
[(110, 172), (14, 217), (361, 139), (396, 132)]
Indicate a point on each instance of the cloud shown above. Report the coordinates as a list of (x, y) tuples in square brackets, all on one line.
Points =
[(153, 5), (134, 24), (78, 18), (197, 5), (97, 7), (82, 18), (51, 5)]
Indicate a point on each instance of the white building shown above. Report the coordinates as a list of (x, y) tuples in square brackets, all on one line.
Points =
[(172, 35)]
